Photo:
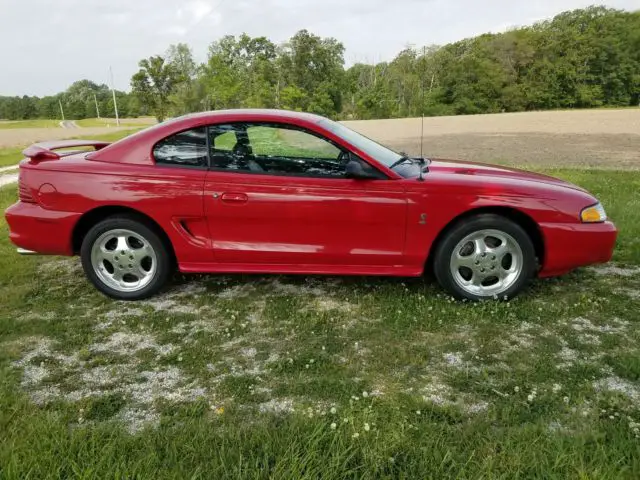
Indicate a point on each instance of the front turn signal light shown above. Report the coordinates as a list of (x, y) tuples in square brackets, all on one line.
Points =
[(593, 214)]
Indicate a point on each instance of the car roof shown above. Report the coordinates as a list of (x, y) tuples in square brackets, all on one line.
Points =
[(249, 113)]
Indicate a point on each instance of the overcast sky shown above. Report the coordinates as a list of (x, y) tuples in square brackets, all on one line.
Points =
[(48, 44)]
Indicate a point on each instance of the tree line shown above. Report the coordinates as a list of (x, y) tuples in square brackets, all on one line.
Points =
[(78, 102), (579, 59)]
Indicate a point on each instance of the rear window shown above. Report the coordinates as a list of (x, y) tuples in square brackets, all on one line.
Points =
[(187, 149)]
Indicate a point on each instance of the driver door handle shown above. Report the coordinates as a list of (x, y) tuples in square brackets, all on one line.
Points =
[(234, 198)]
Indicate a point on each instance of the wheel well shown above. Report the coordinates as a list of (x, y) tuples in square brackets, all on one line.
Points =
[(92, 217), (522, 219)]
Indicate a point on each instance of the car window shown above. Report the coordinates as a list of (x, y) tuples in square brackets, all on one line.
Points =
[(276, 150), (188, 149), (284, 142)]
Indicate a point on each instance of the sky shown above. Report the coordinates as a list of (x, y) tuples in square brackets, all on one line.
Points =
[(48, 44)]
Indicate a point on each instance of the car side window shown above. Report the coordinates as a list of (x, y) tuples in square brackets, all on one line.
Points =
[(275, 149), (187, 149)]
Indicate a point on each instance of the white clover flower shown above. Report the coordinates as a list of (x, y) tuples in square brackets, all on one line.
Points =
[(516, 389), (565, 399), (333, 410), (530, 398), (556, 388), (333, 426), (366, 427), (345, 420), (365, 394), (418, 412), (355, 435)]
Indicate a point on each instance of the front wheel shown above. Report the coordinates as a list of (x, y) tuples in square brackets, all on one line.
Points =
[(484, 257), (125, 259)]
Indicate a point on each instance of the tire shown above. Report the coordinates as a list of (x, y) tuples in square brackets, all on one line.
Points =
[(140, 273), (485, 257)]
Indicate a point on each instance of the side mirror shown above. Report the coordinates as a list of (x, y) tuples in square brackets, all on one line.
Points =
[(355, 170)]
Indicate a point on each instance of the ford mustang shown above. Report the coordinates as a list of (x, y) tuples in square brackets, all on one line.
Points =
[(268, 191)]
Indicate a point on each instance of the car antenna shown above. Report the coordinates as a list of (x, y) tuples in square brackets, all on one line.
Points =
[(421, 160)]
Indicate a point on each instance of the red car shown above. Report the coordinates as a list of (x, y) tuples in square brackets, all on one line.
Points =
[(264, 191)]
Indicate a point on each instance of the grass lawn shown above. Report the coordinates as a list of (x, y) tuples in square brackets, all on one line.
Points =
[(38, 123), (315, 377), (104, 122)]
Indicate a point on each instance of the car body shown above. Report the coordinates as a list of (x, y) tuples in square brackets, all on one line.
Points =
[(218, 189)]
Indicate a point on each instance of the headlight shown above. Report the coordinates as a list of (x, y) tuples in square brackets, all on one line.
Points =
[(593, 214)]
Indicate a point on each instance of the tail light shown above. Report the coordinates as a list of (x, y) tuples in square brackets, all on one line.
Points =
[(24, 192)]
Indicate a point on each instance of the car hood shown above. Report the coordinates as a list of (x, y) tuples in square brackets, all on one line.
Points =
[(455, 167)]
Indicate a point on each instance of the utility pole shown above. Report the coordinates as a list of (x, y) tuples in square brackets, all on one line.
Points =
[(115, 103), (61, 109), (97, 109)]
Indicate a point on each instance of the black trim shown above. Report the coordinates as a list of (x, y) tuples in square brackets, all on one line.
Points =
[(206, 132), (285, 175)]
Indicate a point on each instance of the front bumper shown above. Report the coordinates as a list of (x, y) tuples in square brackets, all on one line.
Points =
[(569, 246), (35, 229)]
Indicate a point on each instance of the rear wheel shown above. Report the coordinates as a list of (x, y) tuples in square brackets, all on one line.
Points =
[(484, 257), (125, 259)]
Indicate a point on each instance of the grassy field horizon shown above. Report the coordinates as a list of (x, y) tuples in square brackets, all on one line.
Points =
[(600, 138)]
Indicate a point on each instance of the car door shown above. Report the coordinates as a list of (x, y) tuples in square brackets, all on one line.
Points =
[(278, 195), (172, 193)]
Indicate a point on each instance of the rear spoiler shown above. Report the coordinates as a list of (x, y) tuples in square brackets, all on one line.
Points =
[(39, 152)]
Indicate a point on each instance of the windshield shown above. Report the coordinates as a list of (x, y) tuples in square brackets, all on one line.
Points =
[(381, 153)]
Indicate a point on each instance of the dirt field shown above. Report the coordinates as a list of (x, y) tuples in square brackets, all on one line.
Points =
[(586, 138)]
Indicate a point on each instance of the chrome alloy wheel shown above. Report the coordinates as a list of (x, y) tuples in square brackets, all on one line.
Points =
[(123, 260), (486, 263)]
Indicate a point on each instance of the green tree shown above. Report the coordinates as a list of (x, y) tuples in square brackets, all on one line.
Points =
[(154, 84)]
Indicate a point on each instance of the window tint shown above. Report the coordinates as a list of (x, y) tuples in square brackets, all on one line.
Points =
[(276, 150), (187, 148)]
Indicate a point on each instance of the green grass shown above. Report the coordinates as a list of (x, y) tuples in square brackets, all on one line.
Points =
[(40, 123), (237, 376), (10, 156), (13, 155), (268, 141), (104, 122)]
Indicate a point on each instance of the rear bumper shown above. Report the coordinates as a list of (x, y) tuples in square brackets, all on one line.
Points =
[(569, 246), (35, 229)]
